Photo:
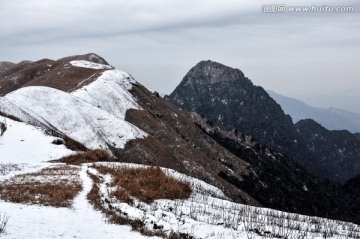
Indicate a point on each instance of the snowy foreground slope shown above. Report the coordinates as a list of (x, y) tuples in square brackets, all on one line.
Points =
[(206, 214), (24, 149), (92, 115)]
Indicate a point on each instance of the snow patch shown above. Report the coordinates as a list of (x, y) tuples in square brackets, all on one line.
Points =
[(90, 65)]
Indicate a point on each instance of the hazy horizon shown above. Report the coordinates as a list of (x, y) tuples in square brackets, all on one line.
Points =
[(310, 56)]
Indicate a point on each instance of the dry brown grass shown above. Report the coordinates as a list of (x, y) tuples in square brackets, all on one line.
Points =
[(92, 156), (136, 225), (145, 184), (49, 187), (94, 194)]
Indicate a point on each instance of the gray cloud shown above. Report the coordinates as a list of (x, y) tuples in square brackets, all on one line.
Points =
[(296, 54)]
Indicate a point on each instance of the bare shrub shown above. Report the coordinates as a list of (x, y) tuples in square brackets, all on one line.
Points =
[(3, 222), (145, 184), (92, 156), (3, 127)]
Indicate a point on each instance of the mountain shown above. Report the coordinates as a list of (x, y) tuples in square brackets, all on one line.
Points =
[(337, 151), (331, 118), (87, 105), (225, 97), (102, 107), (229, 100)]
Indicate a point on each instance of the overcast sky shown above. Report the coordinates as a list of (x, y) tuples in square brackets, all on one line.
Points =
[(314, 57)]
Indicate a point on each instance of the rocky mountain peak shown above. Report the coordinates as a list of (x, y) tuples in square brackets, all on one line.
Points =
[(230, 100), (211, 72)]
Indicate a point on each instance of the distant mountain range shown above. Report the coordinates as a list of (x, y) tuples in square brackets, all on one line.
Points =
[(331, 118)]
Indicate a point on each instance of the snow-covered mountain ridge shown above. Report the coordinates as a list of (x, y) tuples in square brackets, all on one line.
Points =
[(93, 115)]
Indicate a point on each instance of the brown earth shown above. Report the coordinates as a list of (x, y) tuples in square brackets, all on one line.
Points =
[(58, 74)]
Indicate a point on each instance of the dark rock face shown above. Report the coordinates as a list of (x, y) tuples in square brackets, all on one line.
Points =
[(337, 152), (229, 100)]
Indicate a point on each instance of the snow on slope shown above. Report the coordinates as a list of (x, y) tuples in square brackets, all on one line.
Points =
[(92, 115), (209, 214), (88, 64), (77, 119), (23, 143), (80, 221), (110, 93), (23, 149), (9, 108)]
